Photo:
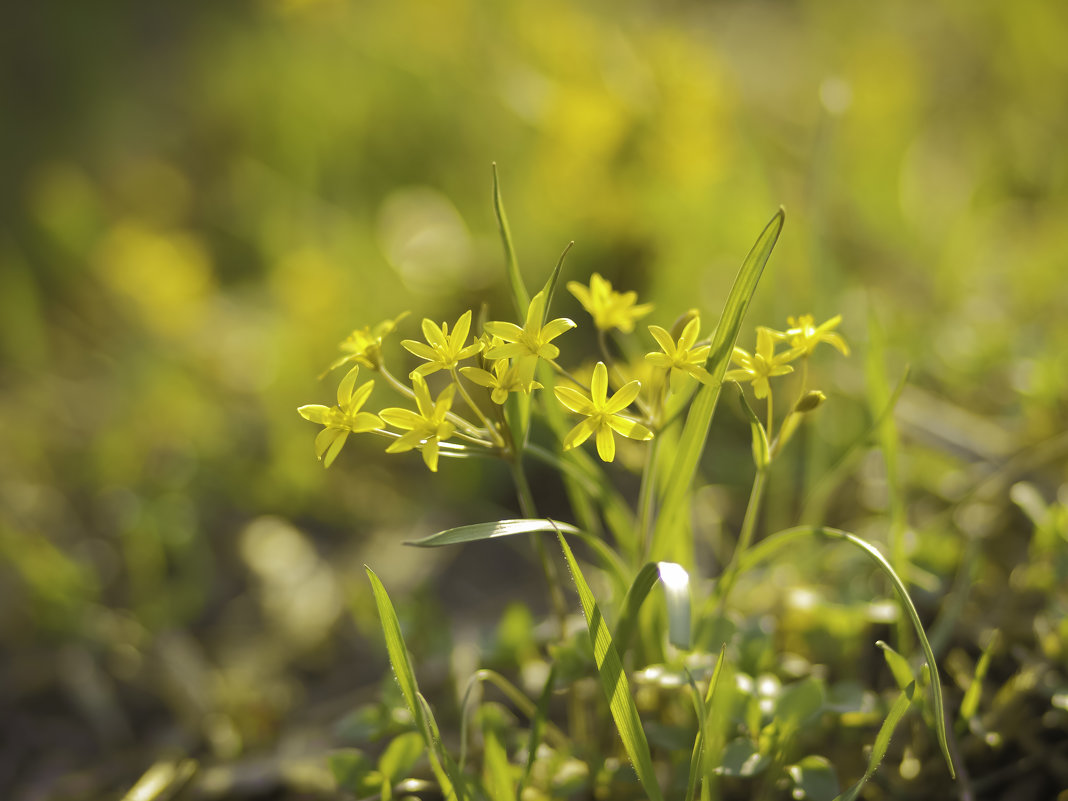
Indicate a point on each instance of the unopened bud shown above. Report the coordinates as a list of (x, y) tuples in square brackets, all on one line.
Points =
[(809, 401)]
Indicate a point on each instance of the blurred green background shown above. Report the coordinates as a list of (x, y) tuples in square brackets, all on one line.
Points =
[(198, 201)]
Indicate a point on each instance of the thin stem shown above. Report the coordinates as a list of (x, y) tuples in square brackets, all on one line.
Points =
[(771, 418), (647, 500), (752, 512), (566, 374), (498, 440), (452, 417), (529, 510)]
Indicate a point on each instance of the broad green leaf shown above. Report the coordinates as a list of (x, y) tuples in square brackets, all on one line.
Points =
[(676, 583), (400, 756), (771, 545), (402, 669), (353, 772), (882, 743), (497, 774), (520, 296), (799, 702), (674, 507), (614, 682), (815, 779), (741, 758)]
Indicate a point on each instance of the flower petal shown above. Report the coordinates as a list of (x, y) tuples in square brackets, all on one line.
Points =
[(606, 443), (629, 428), (599, 385), (573, 400), (623, 398), (314, 412), (335, 448)]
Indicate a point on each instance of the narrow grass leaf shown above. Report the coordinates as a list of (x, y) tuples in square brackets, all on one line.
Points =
[(402, 669), (614, 682), (400, 756), (899, 666), (882, 743), (497, 774), (761, 448), (670, 528), (550, 285), (704, 709), (489, 531), (970, 704), (538, 725), (775, 542), (676, 583), (520, 296)]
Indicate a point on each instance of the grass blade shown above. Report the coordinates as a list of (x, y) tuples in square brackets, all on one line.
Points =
[(520, 296), (402, 668), (668, 536), (488, 531), (614, 682), (882, 742), (676, 583), (772, 544)]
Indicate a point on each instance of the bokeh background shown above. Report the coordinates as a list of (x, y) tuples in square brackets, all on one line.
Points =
[(198, 201)]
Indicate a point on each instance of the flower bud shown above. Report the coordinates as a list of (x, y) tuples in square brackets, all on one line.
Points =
[(812, 399)]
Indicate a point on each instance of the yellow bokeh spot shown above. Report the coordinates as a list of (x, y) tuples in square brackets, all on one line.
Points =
[(165, 275)]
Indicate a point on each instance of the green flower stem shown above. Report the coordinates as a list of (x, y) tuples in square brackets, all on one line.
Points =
[(452, 417), (555, 365), (647, 500), (498, 440), (771, 417), (529, 510), (752, 512)]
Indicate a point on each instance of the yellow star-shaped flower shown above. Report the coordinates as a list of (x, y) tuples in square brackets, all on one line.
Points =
[(608, 308), (805, 335), (364, 345), (681, 358), (531, 342), (444, 350), (761, 365), (602, 414), (343, 419), (503, 380), (426, 428)]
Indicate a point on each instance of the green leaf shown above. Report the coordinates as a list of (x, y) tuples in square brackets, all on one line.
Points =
[(882, 742), (761, 448), (520, 296), (899, 666), (614, 682), (402, 669), (676, 583), (507, 528), (799, 702), (775, 542), (537, 726), (400, 756), (550, 285), (497, 774), (353, 772), (488, 531), (814, 779), (741, 758), (970, 704), (704, 709), (674, 507)]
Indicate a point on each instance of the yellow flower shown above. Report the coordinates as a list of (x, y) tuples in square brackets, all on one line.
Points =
[(343, 419), (445, 350), (609, 309), (425, 429), (761, 365), (364, 345), (602, 414), (503, 379), (682, 358), (531, 342), (804, 335)]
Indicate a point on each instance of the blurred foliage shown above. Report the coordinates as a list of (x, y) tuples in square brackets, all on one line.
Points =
[(200, 200)]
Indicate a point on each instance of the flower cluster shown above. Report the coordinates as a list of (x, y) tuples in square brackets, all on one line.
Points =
[(484, 371)]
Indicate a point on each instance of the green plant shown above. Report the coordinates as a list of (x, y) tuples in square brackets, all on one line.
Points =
[(506, 396)]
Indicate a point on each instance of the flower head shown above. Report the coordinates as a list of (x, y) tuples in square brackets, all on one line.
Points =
[(609, 309), (503, 380), (603, 414), (343, 419), (805, 335), (364, 345), (531, 342), (761, 365), (681, 358), (444, 350), (426, 428)]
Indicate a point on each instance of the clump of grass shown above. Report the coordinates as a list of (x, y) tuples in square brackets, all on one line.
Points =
[(697, 708)]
